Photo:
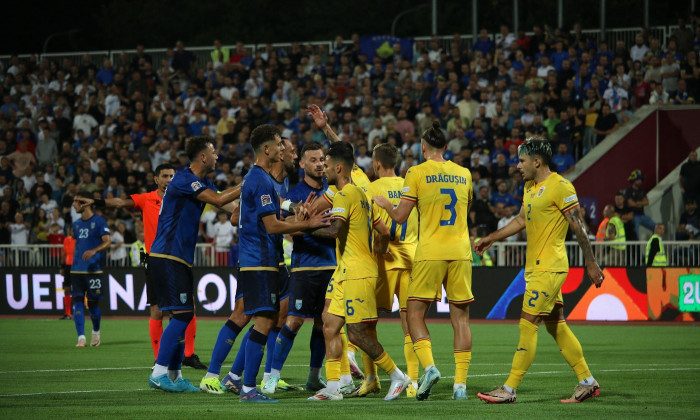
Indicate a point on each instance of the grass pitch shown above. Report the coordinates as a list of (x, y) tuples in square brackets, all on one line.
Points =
[(646, 371)]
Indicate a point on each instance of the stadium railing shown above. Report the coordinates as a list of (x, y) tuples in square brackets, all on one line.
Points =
[(504, 254), (202, 52)]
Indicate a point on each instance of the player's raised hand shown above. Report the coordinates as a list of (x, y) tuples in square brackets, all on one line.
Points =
[(382, 202), (595, 273), (83, 202), (483, 245), (319, 219), (320, 118)]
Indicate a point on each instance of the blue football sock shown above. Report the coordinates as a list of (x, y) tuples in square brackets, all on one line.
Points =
[(271, 340), (79, 317), (224, 342), (318, 348), (284, 343), (170, 341), (239, 361), (95, 315), (178, 355), (253, 356)]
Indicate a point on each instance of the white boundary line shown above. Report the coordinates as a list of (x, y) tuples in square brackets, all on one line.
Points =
[(445, 377)]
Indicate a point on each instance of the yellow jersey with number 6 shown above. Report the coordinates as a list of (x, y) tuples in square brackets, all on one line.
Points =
[(544, 205), (442, 192), (403, 237)]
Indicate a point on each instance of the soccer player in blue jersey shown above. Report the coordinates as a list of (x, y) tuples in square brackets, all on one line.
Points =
[(313, 262), (172, 254), (259, 230), (279, 173), (91, 240)]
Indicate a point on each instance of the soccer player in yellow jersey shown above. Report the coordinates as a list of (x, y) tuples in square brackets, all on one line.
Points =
[(442, 192), (359, 178), (550, 206), (394, 266), (353, 301)]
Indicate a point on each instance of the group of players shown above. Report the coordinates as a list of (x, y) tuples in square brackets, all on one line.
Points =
[(356, 245)]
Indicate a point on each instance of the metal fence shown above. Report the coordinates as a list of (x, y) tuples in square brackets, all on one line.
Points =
[(202, 53), (504, 254)]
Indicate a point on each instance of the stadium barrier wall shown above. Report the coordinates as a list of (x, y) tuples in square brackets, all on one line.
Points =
[(627, 294)]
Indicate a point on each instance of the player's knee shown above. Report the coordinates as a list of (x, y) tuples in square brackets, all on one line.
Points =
[(294, 323), (185, 317)]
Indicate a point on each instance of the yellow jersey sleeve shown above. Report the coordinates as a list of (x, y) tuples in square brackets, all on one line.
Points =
[(330, 194), (410, 186), (565, 198), (359, 177)]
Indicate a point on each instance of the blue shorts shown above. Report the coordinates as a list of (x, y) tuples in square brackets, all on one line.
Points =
[(308, 292), (90, 283), (173, 284), (260, 290), (284, 282)]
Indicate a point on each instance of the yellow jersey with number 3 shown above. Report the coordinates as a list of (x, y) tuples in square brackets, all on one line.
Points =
[(442, 192), (358, 177), (544, 205), (354, 242), (403, 237)]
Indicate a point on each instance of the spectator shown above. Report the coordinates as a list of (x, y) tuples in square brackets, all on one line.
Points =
[(655, 252), (639, 49), (502, 195), (636, 198), (224, 232), (689, 224), (659, 96), (605, 124), (689, 178), (117, 251), (563, 160), (615, 235)]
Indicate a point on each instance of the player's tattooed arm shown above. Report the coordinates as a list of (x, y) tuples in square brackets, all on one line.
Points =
[(331, 231), (573, 216)]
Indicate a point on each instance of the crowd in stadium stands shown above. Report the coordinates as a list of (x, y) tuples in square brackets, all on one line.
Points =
[(102, 127)]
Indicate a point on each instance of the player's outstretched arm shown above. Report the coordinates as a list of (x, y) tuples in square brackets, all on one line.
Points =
[(321, 120), (515, 226), (596, 275), (108, 202), (330, 231), (382, 245), (274, 226), (221, 200), (398, 214)]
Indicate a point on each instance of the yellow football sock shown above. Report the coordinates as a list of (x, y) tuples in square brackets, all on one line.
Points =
[(344, 362), (353, 348), (368, 365), (424, 350), (570, 348), (385, 362), (411, 358), (462, 360), (525, 353), (333, 370)]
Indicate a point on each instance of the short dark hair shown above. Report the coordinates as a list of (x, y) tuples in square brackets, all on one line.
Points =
[(386, 154), (195, 145), (434, 136), (342, 152), (163, 167), (310, 146), (262, 134), (535, 146)]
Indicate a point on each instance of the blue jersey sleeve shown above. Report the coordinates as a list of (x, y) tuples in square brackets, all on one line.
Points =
[(186, 184), (264, 198)]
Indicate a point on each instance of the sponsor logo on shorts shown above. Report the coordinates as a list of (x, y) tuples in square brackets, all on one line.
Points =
[(266, 199), (297, 304), (273, 298), (183, 297)]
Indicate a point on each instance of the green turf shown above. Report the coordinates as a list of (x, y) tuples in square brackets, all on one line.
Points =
[(644, 371)]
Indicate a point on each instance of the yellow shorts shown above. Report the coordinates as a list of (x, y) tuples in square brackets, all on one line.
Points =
[(542, 292), (428, 276), (354, 300), (390, 283)]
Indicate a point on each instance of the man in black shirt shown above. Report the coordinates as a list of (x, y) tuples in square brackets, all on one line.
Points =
[(690, 176), (626, 215), (605, 124), (636, 198)]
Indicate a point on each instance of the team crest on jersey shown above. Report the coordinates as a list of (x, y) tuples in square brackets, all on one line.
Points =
[(297, 304), (266, 199), (183, 297), (92, 225), (196, 185), (541, 191)]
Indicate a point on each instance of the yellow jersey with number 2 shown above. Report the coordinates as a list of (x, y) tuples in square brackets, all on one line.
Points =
[(442, 192), (403, 237), (544, 205)]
